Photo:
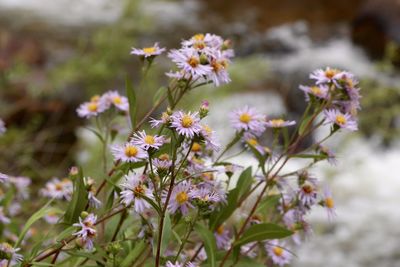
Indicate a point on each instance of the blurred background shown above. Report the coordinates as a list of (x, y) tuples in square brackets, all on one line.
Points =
[(56, 54)]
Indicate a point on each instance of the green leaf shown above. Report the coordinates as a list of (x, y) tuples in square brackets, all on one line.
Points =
[(261, 232), (309, 156), (167, 232), (209, 244), (130, 92), (88, 255), (133, 254), (78, 201), (159, 94), (244, 182), (35, 217), (305, 123), (170, 97)]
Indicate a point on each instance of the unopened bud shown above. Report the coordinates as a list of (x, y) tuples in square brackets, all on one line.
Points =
[(84, 214), (203, 59)]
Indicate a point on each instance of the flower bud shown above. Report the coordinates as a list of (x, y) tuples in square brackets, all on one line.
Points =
[(204, 108), (73, 172), (84, 214), (203, 59)]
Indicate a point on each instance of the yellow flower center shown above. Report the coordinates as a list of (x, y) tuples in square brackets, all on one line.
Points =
[(199, 45), (198, 37), (277, 122), (117, 100), (208, 175), (59, 186), (207, 129), (307, 188), (138, 190), (220, 230), (7, 246), (187, 121), (149, 50), (329, 202), (131, 151), (193, 62), (196, 147), (245, 118), (278, 251), (181, 197), (330, 73), (216, 66), (88, 224), (92, 106), (164, 157), (95, 98), (340, 119), (316, 90), (149, 139), (252, 142)]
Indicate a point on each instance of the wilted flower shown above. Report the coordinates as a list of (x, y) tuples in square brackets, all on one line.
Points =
[(133, 190), (308, 194), (186, 124), (343, 120), (128, 152), (87, 232), (146, 52), (146, 141), (162, 121)]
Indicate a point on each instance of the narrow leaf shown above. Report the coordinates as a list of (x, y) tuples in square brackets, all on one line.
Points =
[(133, 254), (209, 244), (167, 232), (130, 92), (78, 201), (261, 232)]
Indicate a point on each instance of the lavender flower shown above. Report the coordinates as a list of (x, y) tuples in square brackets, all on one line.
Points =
[(3, 218), (308, 194), (188, 60), (91, 109), (343, 120), (133, 188), (326, 76), (186, 124), (146, 141), (279, 123), (277, 253), (128, 152), (219, 74), (319, 91), (87, 232), (3, 128), (164, 120), (11, 254), (329, 203), (58, 189), (176, 264), (248, 119), (210, 139), (120, 102), (146, 52), (222, 237), (180, 198), (4, 178)]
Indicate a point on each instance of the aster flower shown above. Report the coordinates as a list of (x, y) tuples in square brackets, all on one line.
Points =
[(248, 119), (219, 74), (188, 60), (331, 157), (93, 201), (209, 137), (128, 152), (120, 102), (176, 264), (22, 184), (10, 253), (3, 218), (319, 91), (205, 195), (343, 120), (51, 218), (147, 52), (186, 124), (307, 194), (3, 128), (180, 198), (325, 76), (279, 123), (4, 178), (164, 120), (162, 165), (133, 188), (146, 141), (329, 203), (91, 108), (222, 237), (58, 189), (277, 253), (87, 230)]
